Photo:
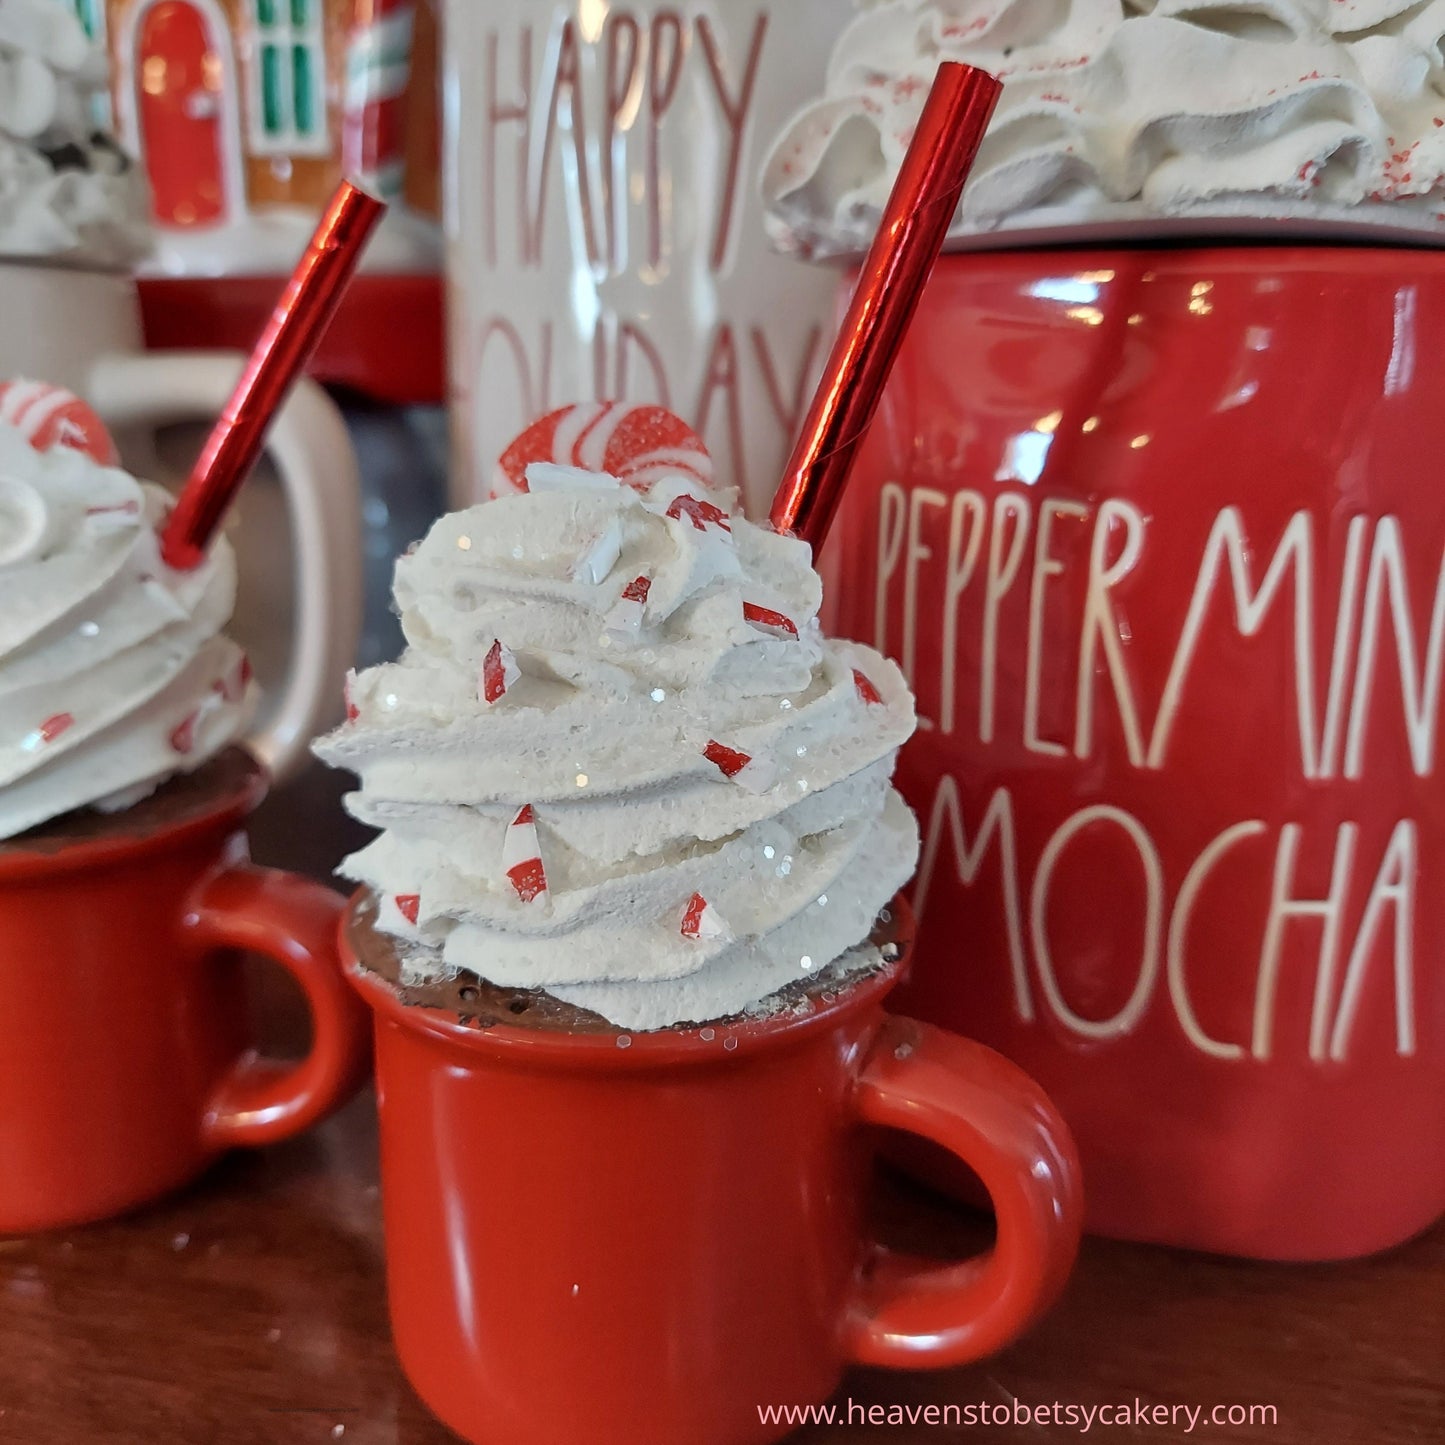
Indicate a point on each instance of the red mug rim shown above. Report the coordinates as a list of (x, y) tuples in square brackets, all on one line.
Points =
[(604, 1051), (1332, 255), (230, 805)]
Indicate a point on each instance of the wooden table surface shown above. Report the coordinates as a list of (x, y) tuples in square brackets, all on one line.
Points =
[(250, 1310)]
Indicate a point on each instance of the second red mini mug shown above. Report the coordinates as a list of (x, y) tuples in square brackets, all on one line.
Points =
[(125, 1047), (641, 1240)]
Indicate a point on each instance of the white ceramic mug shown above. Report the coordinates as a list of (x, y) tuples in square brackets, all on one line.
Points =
[(604, 227), (81, 329)]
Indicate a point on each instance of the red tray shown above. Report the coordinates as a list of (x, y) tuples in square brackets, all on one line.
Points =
[(387, 340)]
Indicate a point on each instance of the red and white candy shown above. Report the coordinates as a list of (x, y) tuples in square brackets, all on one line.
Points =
[(499, 673), (752, 775), (113, 518), (162, 597), (183, 735), (624, 617), (50, 416), (636, 444), (766, 619), (701, 921), (705, 525), (409, 906), (233, 685), (865, 688), (48, 731), (705, 516), (224, 691), (522, 857)]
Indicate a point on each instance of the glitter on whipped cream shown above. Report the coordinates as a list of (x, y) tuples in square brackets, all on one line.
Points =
[(662, 815), (1331, 110), (114, 673)]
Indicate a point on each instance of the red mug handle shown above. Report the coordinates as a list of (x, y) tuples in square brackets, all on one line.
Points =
[(292, 921), (913, 1313)]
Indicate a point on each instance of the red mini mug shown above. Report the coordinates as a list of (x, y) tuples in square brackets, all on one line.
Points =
[(125, 1060), (640, 1240), (1157, 536)]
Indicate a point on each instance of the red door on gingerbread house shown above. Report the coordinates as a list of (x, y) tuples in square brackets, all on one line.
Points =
[(185, 108)]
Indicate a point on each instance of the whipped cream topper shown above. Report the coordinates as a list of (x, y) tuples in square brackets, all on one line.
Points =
[(1327, 112), (114, 675), (66, 188), (619, 761)]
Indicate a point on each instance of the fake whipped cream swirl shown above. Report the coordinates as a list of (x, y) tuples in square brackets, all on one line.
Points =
[(1318, 111), (114, 675), (66, 188), (619, 761)]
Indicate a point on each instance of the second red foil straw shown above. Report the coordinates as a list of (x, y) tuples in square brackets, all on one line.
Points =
[(291, 336), (910, 237)]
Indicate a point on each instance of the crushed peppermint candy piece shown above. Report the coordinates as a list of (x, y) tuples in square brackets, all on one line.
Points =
[(702, 921), (352, 711), (729, 761), (164, 598), (866, 689), (754, 775), (499, 672), (636, 444), (183, 735), (553, 477), (707, 525), (595, 565), (409, 906), (48, 731), (704, 516), (765, 619), (522, 857), (56, 724), (50, 416), (624, 617), (113, 519), (232, 687), (224, 691)]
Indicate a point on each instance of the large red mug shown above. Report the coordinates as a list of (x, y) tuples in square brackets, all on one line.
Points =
[(125, 1060), (1157, 536), (648, 1239)]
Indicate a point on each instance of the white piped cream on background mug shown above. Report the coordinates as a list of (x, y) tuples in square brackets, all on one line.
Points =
[(115, 674), (1288, 117)]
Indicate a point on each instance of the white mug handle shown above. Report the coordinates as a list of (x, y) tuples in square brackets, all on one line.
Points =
[(313, 456)]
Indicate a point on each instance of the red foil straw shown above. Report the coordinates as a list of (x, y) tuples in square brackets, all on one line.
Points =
[(910, 236), (286, 345)]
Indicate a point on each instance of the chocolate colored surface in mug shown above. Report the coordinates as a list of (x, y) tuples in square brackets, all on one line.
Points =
[(480, 1004), (178, 800)]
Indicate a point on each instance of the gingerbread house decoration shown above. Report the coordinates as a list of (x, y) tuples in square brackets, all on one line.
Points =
[(245, 113)]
